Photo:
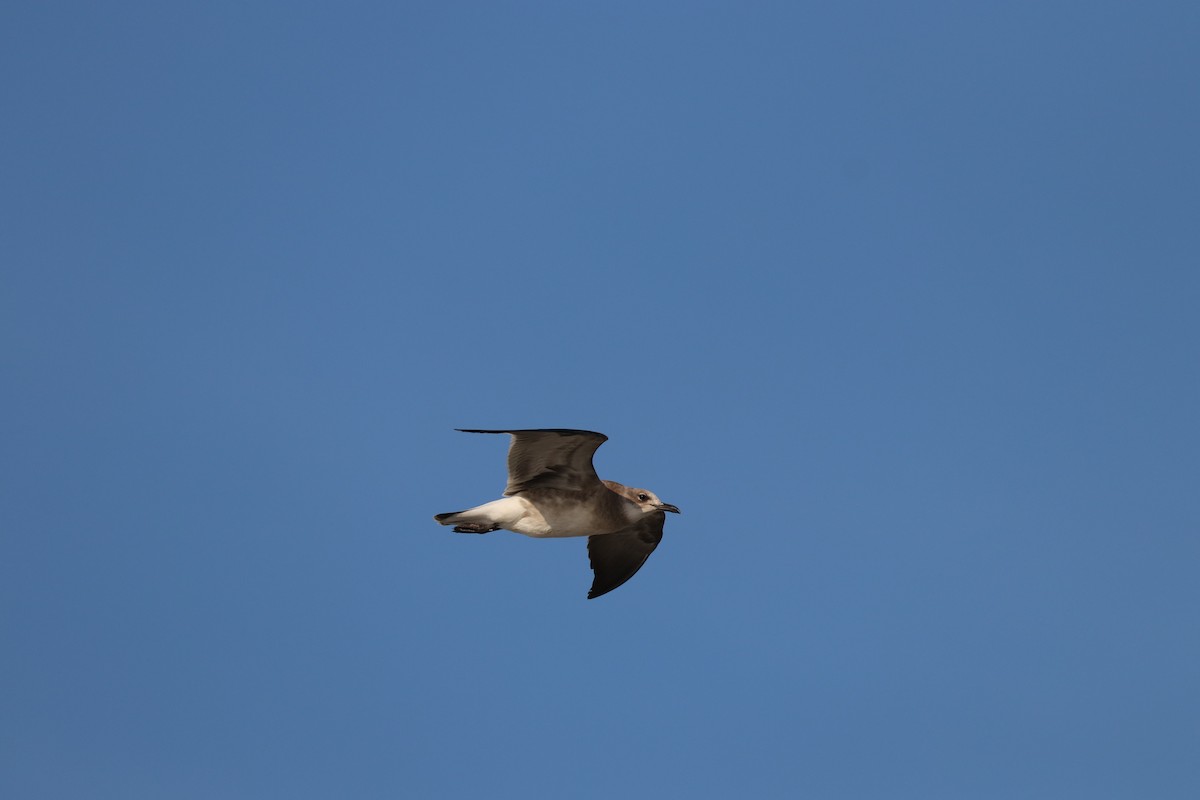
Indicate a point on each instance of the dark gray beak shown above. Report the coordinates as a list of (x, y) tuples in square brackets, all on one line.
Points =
[(668, 507)]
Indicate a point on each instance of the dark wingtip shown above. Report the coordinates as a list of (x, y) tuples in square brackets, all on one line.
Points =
[(600, 591), (560, 431)]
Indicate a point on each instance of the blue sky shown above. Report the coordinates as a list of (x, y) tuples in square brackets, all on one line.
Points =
[(898, 302)]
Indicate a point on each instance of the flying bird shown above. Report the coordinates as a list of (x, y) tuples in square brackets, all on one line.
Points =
[(553, 491)]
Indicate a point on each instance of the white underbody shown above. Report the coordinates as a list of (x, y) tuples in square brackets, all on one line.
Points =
[(549, 520)]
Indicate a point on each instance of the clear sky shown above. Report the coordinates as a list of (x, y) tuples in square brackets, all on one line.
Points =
[(897, 301)]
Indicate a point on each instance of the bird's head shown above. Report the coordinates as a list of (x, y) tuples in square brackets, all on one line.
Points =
[(646, 500)]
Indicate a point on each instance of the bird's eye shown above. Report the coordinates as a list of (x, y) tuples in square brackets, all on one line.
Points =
[(643, 497)]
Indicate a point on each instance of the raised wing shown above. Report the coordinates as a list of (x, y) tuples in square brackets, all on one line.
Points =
[(550, 458), (616, 557)]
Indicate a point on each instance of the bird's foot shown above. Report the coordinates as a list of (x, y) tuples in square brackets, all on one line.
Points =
[(475, 527)]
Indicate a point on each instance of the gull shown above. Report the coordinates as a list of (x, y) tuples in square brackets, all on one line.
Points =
[(553, 491)]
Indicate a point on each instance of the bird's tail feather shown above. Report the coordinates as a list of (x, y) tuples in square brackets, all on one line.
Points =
[(497, 514)]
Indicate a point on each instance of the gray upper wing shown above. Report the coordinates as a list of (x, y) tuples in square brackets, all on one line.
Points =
[(550, 458), (616, 557)]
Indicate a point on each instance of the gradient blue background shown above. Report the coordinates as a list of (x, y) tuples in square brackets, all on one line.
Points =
[(898, 302)]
